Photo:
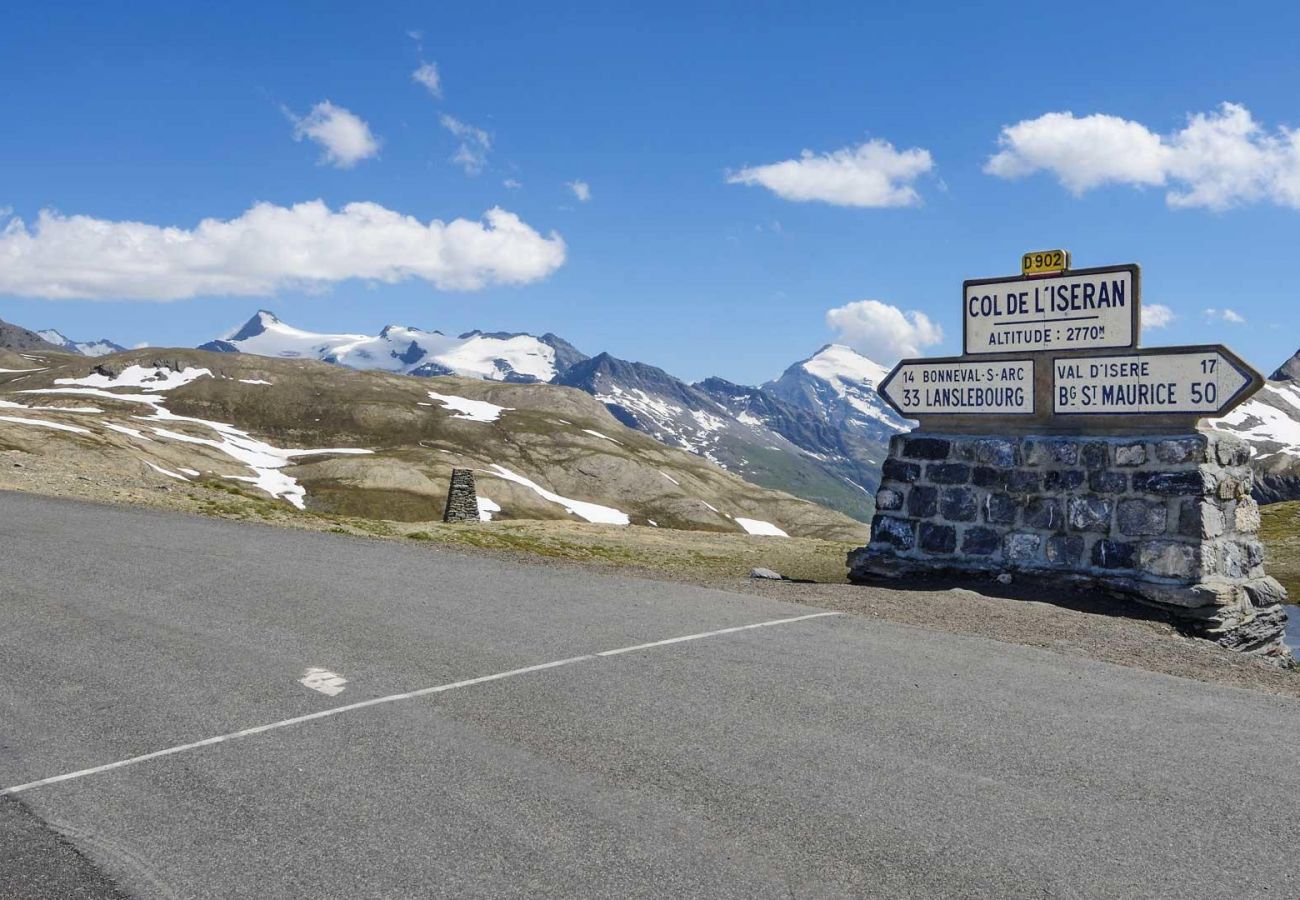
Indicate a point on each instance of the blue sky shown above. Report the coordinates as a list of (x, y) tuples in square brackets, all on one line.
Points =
[(688, 253)]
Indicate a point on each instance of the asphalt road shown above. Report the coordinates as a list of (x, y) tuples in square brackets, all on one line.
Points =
[(832, 756)]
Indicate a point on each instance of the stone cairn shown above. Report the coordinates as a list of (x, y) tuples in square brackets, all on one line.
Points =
[(462, 497), (1167, 520)]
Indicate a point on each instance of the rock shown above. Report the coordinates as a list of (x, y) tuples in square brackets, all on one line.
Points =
[(1199, 519), (1266, 591), (1181, 450), (462, 498), (888, 499), (926, 448), (948, 473), (1141, 517), (980, 541), (1019, 547), (1063, 480), (1114, 555), (1130, 454), (1170, 484), (897, 533), (922, 502), (1064, 549), (1001, 509), (1023, 481), (936, 538), (1004, 578), (958, 504), (1088, 513), (1170, 559), (1044, 513), (1106, 481), (897, 470), (998, 452), (1246, 516), (767, 574), (988, 477), (1094, 455), (1051, 452)]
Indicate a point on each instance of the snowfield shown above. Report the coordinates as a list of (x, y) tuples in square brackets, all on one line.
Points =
[(474, 410), (592, 512), (758, 526)]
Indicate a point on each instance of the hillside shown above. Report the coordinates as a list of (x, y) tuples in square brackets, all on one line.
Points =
[(331, 439)]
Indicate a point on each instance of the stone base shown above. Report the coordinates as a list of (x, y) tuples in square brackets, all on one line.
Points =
[(462, 497), (1166, 520)]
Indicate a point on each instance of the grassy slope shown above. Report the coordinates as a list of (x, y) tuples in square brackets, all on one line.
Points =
[(1281, 533)]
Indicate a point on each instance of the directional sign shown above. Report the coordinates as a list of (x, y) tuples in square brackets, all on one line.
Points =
[(922, 387), (1202, 381), (1078, 310)]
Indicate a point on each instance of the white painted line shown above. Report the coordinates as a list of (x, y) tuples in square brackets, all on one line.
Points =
[(392, 698), (323, 680), (709, 634)]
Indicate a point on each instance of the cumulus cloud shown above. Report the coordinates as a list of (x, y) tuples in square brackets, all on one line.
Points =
[(475, 143), (1157, 315), (512, 183), (1218, 160), (1231, 316), (883, 332), (344, 136), (428, 76), (580, 189), (265, 249), (873, 174)]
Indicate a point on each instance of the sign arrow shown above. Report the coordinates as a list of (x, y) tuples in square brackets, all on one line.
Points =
[(1202, 381), (960, 386)]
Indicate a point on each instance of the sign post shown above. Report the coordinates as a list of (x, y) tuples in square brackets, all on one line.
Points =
[(1055, 448)]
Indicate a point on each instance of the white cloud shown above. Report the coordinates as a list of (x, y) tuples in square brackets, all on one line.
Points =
[(1231, 316), (345, 136), (1218, 160), (265, 249), (428, 76), (580, 189), (883, 332), (512, 183), (873, 174), (474, 144), (1157, 315)]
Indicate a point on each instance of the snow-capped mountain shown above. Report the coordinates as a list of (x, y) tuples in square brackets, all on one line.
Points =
[(738, 428), (101, 347), (411, 351), (1270, 422)]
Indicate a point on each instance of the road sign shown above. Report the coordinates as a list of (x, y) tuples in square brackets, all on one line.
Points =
[(1077, 310), (1043, 262), (1203, 381), (961, 387)]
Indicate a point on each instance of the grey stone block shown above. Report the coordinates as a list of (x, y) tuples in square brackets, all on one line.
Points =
[(897, 533), (1094, 455), (1044, 513), (1265, 592), (1246, 516), (1200, 519), (980, 541), (1108, 554), (936, 538), (1181, 450), (1106, 481), (889, 499), (926, 448), (1171, 484), (988, 477), (1024, 481), (1231, 451), (1001, 509), (1064, 549), (897, 470), (1130, 454), (922, 501), (1170, 559), (1051, 452), (958, 504), (1063, 480), (948, 473), (1019, 548), (998, 452), (1141, 517), (1089, 513)]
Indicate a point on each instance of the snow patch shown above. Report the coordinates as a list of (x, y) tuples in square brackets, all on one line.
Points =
[(670, 478), (758, 526), (149, 378), (605, 436), (254, 381), (42, 423), (474, 410), (592, 512), (122, 429), (486, 508), (170, 474)]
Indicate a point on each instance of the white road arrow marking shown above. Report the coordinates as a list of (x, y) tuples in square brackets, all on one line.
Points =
[(323, 680)]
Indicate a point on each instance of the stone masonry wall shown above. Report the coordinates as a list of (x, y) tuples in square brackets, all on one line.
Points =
[(1166, 519), (462, 497)]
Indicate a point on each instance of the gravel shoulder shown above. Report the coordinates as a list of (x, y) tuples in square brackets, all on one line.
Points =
[(1077, 623)]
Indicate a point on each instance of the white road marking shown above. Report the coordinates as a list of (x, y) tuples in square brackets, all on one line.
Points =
[(393, 698), (323, 680)]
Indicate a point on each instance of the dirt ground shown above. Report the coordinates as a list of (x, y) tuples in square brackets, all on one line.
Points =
[(1077, 623)]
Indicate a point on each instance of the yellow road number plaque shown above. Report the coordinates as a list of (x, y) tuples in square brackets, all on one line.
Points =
[(1041, 262)]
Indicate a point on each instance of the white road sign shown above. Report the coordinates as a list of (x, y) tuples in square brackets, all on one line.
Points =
[(1078, 310), (1205, 381), (969, 387)]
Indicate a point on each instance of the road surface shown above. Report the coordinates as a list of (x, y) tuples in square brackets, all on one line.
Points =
[(805, 757)]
